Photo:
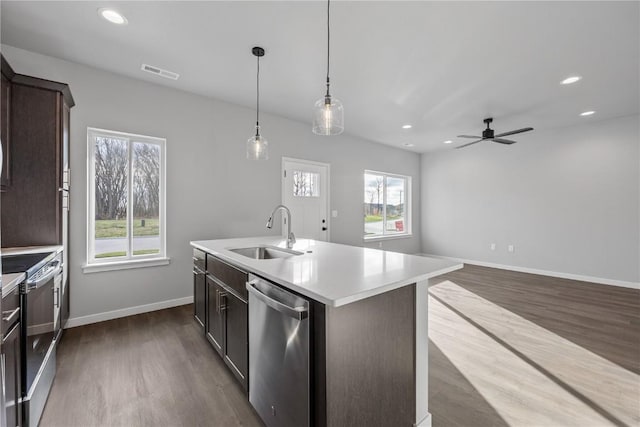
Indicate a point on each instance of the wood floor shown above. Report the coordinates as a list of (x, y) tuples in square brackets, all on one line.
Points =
[(153, 369), (518, 349), (506, 349)]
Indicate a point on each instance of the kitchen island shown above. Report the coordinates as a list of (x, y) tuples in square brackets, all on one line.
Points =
[(368, 314)]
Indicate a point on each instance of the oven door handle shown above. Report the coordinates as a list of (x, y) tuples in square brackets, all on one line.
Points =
[(35, 284)]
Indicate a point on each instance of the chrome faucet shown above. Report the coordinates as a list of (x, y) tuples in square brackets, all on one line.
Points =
[(291, 238)]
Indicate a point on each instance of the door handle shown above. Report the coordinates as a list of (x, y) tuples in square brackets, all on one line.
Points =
[(9, 317), (324, 228), (222, 307)]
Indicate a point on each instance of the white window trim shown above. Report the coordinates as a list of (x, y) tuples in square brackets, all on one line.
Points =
[(408, 203), (125, 265), (105, 264)]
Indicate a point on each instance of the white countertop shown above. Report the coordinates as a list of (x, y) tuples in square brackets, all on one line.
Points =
[(30, 250), (10, 281), (331, 273)]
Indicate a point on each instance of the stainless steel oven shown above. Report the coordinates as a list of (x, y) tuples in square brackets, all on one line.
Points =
[(39, 329), (39, 297)]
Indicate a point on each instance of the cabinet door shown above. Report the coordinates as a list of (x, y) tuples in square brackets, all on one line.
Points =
[(35, 170), (236, 347), (199, 295), (11, 360), (215, 315)]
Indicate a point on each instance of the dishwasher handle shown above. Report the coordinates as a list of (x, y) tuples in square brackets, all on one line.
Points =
[(299, 313)]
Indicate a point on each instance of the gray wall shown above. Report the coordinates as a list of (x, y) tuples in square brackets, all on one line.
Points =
[(568, 199), (212, 190)]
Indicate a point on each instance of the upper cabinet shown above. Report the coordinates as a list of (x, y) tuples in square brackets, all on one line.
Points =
[(35, 127)]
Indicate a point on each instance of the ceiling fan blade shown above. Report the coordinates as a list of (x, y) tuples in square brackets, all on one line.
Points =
[(469, 136), (503, 141), (470, 143), (513, 132)]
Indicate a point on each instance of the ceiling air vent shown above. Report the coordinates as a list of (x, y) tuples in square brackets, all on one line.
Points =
[(160, 72)]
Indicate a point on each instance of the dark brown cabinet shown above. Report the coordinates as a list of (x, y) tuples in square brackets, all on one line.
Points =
[(226, 308), (5, 124), (199, 296), (236, 338), (35, 179), (33, 206), (215, 316), (11, 350), (199, 288), (10, 360)]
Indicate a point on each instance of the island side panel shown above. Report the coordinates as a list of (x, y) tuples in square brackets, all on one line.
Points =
[(423, 417), (370, 361), (318, 363)]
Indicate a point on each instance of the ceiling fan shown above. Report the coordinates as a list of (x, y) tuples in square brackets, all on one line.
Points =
[(487, 134)]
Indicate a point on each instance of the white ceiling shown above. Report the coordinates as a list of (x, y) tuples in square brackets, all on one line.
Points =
[(440, 66)]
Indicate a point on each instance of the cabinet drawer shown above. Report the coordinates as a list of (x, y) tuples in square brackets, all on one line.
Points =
[(10, 308), (199, 259), (229, 275)]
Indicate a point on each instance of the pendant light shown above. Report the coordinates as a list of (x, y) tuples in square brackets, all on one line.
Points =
[(328, 113), (257, 145)]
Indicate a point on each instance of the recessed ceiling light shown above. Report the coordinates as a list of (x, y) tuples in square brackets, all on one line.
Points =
[(570, 80), (112, 16), (448, 141), (587, 113), (408, 144), (407, 127)]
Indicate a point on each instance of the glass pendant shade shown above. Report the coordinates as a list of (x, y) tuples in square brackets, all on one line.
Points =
[(328, 116), (257, 148)]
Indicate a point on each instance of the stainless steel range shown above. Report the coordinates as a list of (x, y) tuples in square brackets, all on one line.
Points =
[(39, 302)]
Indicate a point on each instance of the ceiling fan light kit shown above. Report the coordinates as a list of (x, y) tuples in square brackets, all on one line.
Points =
[(488, 134), (257, 145), (328, 112)]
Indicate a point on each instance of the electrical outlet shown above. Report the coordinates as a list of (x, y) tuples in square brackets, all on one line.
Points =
[(511, 248), (493, 246)]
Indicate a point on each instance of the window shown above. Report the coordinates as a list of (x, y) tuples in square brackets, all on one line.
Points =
[(387, 209), (126, 198), (305, 184)]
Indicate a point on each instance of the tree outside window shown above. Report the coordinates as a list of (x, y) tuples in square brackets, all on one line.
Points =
[(126, 200)]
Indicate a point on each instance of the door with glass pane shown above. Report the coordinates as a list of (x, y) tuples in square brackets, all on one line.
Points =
[(305, 191)]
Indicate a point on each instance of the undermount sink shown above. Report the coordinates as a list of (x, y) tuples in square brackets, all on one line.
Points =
[(265, 252)]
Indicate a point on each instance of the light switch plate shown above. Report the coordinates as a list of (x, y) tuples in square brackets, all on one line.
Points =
[(334, 214)]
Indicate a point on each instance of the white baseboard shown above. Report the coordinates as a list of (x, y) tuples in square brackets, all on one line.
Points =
[(124, 312), (598, 280)]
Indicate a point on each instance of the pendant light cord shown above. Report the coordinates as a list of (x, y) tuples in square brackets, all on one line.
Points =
[(328, 43), (258, 99)]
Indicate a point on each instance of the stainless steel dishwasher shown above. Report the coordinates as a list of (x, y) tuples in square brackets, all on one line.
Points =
[(278, 355)]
